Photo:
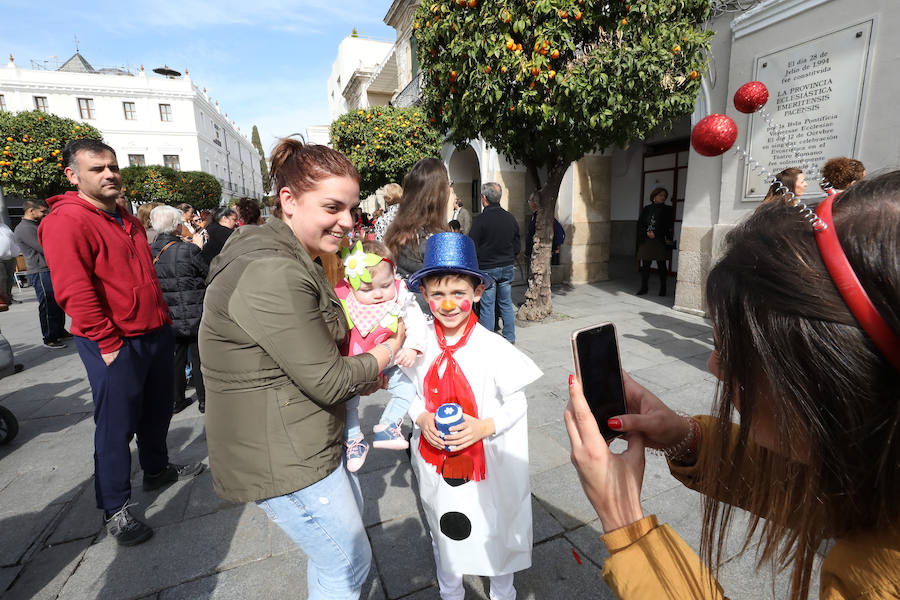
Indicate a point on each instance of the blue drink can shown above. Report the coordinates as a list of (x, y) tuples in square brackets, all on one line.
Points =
[(446, 416)]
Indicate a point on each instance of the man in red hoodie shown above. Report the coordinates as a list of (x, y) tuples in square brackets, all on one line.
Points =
[(103, 277)]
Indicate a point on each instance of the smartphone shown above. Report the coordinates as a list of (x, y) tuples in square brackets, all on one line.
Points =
[(598, 366)]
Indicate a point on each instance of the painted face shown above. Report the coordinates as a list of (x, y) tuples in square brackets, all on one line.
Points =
[(321, 216), (97, 176), (380, 289), (450, 300)]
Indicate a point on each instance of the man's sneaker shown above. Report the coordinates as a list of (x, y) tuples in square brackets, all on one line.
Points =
[(54, 344), (65, 335), (357, 448), (127, 530), (390, 436), (171, 474)]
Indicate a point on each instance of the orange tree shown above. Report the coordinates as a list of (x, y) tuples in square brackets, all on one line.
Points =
[(31, 155), (155, 183), (384, 142), (547, 81)]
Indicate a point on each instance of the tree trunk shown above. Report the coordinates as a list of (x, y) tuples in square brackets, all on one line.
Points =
[(538, 300)]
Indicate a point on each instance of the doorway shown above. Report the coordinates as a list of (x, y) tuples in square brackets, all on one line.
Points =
[(666, 166)]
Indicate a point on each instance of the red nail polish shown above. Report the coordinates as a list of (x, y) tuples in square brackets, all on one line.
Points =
[(614, 423), (571, 379)]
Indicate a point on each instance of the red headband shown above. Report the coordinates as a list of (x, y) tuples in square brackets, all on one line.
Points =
[(851, 289)]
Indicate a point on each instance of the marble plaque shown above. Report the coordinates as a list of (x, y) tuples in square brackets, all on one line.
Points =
[(815, 96)]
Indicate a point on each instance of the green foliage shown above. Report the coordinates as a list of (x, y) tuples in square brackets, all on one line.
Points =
[(31, 159), (263, 167), (154, 183), (384, 142), (546, 81)]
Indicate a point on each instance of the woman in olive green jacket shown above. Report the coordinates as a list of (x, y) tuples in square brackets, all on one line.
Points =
[(276, 383), (815, 456)]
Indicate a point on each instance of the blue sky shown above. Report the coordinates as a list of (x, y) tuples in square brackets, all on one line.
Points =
[(266, 62)]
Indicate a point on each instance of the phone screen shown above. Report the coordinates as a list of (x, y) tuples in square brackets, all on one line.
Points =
[(597, 362)]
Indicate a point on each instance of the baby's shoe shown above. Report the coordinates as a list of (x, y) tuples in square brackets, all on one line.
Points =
[(357, 448), (390, 436)]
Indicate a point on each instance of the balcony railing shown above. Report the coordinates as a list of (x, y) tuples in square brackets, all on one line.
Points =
[(409, 95)]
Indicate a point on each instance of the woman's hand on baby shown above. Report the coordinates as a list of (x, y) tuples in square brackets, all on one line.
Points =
[(406, 357), (660, 425), (398, 338), (612, 482), (471, 431), (429, 430)]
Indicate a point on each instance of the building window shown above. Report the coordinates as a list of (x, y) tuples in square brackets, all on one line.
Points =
[(165, 112), (217, 141), (2, 102), (128, 107), (136, 160), (171, 161), (86, 108), (40, 103)]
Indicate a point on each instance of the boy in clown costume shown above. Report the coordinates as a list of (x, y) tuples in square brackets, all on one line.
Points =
[(476, 495), (375, 299)]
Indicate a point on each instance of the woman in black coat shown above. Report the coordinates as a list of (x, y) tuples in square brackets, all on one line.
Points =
[(182, 271), (655, 227)]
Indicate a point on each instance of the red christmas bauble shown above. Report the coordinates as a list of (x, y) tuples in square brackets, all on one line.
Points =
[(751, 97), (714, 135)]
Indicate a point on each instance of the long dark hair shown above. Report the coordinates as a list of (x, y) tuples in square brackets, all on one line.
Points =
[(426, 194), (791, 352)]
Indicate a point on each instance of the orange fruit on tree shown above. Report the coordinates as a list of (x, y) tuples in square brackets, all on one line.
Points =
[(551, 73), (453, 75), (554, 54), (535, 70), (565, 14), (487, 69), (694, 75), (473, 3), (503, 69), (676, 49), (624, 21), (578, 16)]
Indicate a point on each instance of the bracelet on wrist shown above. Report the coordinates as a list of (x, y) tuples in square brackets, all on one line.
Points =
[(391, 350), (686, 446)]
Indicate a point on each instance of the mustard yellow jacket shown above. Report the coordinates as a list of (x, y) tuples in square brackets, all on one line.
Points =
[(649, 561)]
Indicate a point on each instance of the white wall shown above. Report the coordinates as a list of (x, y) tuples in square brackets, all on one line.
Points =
[(354, 53)]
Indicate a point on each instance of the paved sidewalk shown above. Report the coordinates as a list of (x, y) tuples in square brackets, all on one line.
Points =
[(53, 544)]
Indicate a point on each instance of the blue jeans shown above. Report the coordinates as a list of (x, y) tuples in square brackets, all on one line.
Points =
[(501, 294), (52, 317), (325, 521), (402, 391)]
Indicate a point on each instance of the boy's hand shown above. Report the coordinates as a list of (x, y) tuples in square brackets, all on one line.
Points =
[(406, 357), (429, 430), (470, 432)]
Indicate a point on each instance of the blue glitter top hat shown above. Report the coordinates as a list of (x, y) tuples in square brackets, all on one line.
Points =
[(449, 252)]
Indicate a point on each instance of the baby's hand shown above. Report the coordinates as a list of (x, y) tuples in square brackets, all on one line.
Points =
[(429, 430), (406, 357)]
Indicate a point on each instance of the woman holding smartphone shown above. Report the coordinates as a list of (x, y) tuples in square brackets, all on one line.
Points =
[(816, 455)]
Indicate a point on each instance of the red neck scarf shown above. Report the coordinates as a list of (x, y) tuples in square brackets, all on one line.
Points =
[(452, 386)]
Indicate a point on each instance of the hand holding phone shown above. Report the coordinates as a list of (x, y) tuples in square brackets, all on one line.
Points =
[(599, 368)]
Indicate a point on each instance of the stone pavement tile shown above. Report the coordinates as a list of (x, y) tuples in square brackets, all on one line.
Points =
[(556, 574), (175, 554), (78, 403), (269, 579), (670, 375), (389, 494), (203, 499), (81, 519), (20, 530), (547, 397), (279, 541), (559, 490), (694, 399), (586, 540), (46, 573), (7, 575), (39, 487), (741, 581), (402, 556), (543, 523), (544, 453)]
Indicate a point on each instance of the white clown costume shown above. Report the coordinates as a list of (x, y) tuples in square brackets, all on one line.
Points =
[(482, 527)]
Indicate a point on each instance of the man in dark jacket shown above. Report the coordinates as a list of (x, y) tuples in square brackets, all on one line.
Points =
[(182, 272), (223, 225), (103, 278), (52, 317), (496, 236)]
